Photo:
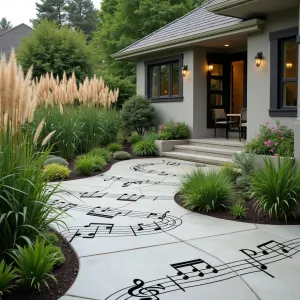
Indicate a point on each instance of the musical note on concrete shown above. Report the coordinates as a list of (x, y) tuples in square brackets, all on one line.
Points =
[(255, 262), (195, 276), (145, 293), (103, 213), (164, 215), (172, 163), (192, 264), (92, 195), (127, 184), (133, 198)]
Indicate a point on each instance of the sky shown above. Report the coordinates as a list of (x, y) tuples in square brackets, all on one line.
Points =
[(21, 11)]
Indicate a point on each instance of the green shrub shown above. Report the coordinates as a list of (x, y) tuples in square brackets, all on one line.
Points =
[(50, 238), (207, 191), (121, 155), (24, 209), (173, 131), (243, 181), (114, 147), (7, 277), (134, 139), (56, 160), (238, 210), (276, 186), (229, 170), (86, 164), (101, 152), (272, 140), (145, 148), (138, 114), (59, 254), (34, 264), (56, 172)]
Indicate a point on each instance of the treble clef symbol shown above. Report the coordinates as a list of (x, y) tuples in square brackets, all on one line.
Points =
[(144, 293)]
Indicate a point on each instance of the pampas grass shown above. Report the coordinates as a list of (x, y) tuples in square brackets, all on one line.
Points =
[(52, 92)]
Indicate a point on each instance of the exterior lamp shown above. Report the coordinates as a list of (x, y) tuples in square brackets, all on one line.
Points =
[(184, 70), (210, 67), (258, 59), (289, 65)]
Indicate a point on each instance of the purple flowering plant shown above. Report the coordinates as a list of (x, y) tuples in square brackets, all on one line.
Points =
[(272, 140)]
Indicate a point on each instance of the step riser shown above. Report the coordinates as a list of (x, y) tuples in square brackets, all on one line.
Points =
[(234, 148), (202, 152), (199, 160)]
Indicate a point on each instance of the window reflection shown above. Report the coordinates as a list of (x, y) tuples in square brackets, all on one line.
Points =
[(175, 79), (154, 90), (164, 80)]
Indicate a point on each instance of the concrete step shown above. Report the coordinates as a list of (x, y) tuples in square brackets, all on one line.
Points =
[(220, 143), (206, 159), (206, 151)]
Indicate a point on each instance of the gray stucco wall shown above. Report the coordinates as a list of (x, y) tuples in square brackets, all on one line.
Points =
[(259, 78), (12, 38), (177, 111), (297, 125)]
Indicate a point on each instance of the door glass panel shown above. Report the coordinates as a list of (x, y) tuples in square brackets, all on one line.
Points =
[(216, 84), (164, 80), (290, 94), (217, 70), (175, 79), (216, 99), (290, 59), (154, 88)]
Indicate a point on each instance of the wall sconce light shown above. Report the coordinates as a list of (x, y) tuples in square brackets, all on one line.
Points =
[(184, 70), (289, 65), (210, 67), (258, 59)]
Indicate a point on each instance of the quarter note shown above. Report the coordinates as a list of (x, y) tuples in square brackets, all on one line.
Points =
[(192, 264), (254, 262), (157, 227)]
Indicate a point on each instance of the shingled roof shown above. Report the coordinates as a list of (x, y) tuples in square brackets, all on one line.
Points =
[(192, 24)]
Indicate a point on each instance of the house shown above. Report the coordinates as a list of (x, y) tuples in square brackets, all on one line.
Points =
[(11, 38), (237, 54)]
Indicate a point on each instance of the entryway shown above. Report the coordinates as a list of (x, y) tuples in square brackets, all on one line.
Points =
[(226, 85)]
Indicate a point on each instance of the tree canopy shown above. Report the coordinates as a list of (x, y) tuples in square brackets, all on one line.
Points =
[(50, 48), (78, 14), (123, 22), (5, 24)]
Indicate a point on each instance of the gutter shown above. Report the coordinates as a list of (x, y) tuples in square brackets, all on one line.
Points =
[(253, 25), (218, 8)]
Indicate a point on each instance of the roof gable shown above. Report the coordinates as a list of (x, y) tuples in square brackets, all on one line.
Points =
[(195, 22)]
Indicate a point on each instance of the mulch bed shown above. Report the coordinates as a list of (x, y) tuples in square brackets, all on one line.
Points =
[(64, 274), (252, 216), (127, 147)]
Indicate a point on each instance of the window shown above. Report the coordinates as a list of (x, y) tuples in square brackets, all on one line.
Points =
[(164, 79), (289, 67), (284, 73)]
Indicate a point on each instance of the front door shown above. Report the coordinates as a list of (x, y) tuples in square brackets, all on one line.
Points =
[(226, 84)]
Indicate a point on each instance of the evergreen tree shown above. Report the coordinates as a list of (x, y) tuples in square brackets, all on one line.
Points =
[(52, 10), (5, 24), (82, 15)]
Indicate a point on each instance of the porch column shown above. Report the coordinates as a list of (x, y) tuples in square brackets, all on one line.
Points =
[(297, 127)]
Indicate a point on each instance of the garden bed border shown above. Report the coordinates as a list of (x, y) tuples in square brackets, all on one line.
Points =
[(167, 145)]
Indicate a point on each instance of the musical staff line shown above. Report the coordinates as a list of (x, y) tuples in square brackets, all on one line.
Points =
[(270, 252)]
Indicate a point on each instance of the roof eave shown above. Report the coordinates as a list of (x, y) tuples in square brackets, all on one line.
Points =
[(220, 7), (249, 26)]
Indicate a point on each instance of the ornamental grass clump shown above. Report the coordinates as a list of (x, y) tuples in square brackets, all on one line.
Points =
[(272, 140), (276, 186), (24, 209), (101, 152), (145, 147), (7, 278), (34, 264), (56, 172), (114, 147), (207, 192)]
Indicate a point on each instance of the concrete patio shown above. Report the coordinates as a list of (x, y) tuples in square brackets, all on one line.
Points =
[(134, 242)]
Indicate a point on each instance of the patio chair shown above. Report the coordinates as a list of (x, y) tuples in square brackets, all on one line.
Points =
[(221, 120), (243, 124)]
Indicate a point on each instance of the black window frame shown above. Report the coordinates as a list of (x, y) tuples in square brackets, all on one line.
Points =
[(277, 40), (149, 65)]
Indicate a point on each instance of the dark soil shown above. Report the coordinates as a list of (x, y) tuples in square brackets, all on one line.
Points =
[(65, 275), (252, 216), (76, 175)]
